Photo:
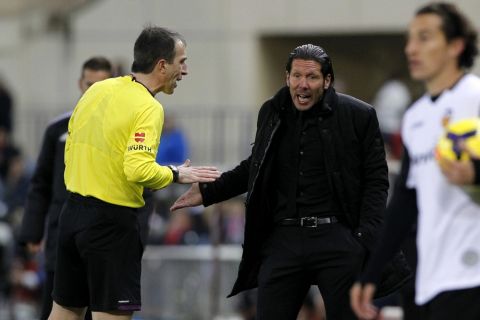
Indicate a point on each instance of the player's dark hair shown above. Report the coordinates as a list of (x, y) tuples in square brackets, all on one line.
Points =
[(153, 44), (455, 25), (97, 64), (315, 53)]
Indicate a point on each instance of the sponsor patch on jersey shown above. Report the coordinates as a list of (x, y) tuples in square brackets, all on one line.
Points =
[(416, 125), (139, 147), (422, 157), (139, 137)]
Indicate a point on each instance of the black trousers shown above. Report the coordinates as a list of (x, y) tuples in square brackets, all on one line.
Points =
[(294, 258), (456, 304)]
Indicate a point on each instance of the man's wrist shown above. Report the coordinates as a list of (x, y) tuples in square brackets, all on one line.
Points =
[(175, 172)]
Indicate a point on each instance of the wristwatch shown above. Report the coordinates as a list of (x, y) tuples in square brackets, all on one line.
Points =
[(174, 172)]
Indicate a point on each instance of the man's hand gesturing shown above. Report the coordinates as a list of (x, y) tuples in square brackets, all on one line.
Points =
[(189, 174)]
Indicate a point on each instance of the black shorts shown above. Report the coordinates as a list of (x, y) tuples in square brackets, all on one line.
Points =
[(99, 256), (455, 304)]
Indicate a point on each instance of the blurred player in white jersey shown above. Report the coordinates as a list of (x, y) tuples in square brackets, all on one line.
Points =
[(441, 47)]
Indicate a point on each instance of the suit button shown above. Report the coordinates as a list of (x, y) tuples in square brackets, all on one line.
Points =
[(359, 234)]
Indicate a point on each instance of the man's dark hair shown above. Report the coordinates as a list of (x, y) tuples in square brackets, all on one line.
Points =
[(315, 53), (97, 64), (153, 44), (455, 25)]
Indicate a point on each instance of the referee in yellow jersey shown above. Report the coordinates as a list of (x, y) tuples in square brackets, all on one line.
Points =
[(113, 137)]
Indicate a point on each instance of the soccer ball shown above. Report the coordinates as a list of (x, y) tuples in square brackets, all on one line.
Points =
[(449, 147), (466, 131)]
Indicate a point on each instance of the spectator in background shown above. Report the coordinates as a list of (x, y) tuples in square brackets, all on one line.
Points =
[(14, 179), (21, 286), (8, 153), (173, 148), (16, 187), (47, 191), (183, 229), (6, 108), (25, 281), (390, 102), (6, 249)]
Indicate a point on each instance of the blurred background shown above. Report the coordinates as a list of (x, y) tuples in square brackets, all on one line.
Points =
[(236, 56)]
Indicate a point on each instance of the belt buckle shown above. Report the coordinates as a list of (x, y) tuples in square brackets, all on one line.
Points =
[(309, 222)]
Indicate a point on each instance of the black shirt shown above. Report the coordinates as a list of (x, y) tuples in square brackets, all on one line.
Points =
[(300, 185)]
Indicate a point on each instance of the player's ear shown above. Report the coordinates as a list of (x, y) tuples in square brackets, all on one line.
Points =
[(456, 47)]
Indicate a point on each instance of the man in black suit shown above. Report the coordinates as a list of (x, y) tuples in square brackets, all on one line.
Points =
[(316, 184)]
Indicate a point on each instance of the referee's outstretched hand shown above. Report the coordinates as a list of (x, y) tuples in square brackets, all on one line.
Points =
[(189, 174), (191, 198)]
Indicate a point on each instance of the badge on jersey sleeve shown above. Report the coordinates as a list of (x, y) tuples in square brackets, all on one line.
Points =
[(139, 137), (139, 142)]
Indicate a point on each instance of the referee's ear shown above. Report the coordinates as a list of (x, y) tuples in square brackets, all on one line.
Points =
[(161, 66)]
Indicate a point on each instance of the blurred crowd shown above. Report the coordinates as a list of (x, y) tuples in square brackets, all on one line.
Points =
[(20, 275)]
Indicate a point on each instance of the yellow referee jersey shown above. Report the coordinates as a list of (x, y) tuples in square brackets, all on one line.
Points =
[(113, 137)]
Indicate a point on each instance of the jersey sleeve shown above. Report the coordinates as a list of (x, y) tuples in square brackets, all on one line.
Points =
[(139, 157)]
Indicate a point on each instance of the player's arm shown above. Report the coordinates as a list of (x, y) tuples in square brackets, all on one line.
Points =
[(401, 215), (236, 181), (139, 157), (228, 185)]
